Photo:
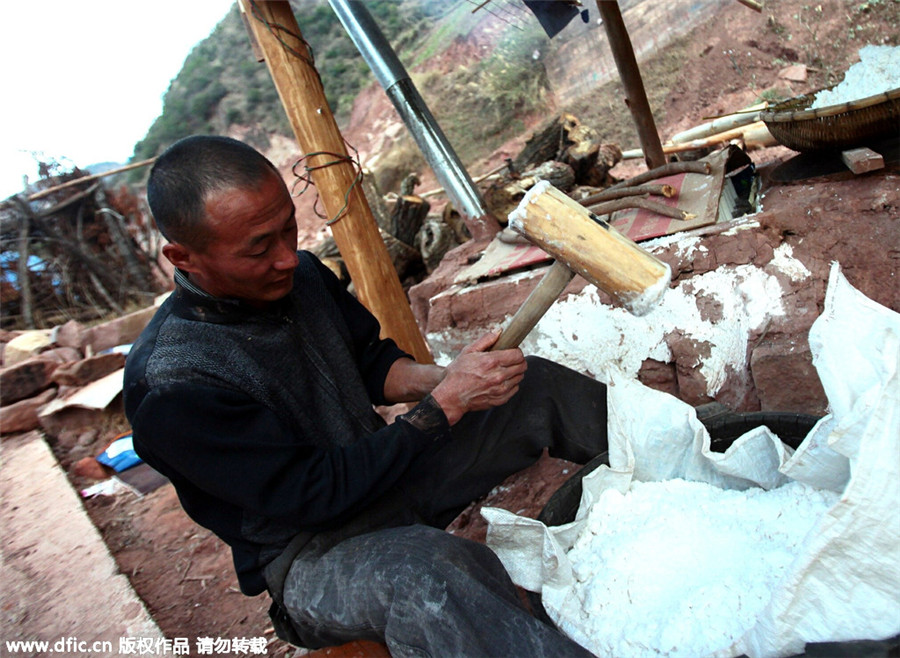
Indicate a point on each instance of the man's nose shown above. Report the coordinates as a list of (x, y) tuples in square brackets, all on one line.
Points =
[(287, 257)]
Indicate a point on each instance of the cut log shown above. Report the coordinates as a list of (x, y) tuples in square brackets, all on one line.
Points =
[(546, 143), (435, 239), (589, 158), (406, 259), (376, 201), (407, 217), (503, 197), (454, 220)]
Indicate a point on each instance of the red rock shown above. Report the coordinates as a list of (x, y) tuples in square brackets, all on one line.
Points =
[(689, 354), (23, 416), (70, 334), (524, 493), (88, 370), (91, 468), (794, 73), (23, 380), (660, 376), (785, 377), (70, 418), (62, 355), (121, 331)]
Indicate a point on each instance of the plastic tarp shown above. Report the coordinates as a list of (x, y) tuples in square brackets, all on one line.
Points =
[(845, 582)]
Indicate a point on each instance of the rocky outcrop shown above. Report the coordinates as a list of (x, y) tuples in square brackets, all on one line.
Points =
[(733, 326), (40, 367)]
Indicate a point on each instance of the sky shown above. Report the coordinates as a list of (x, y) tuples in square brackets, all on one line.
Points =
[(83, 81)]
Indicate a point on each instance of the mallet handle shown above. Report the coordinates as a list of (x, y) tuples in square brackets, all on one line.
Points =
[(533, 308)]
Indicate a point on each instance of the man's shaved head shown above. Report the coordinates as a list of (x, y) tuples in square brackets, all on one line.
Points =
[(190, 170)]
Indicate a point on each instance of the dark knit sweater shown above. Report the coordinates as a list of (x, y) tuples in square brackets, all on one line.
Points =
[(263, 420)]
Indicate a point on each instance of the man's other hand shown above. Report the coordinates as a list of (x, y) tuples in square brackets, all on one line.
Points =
[(478, 379)]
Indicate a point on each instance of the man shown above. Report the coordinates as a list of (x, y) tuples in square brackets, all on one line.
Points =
[(252, 390)]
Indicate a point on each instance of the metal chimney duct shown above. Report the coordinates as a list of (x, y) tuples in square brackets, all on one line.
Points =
[(392, 76)]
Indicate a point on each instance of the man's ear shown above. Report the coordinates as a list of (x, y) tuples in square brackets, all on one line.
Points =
[(178, 255)]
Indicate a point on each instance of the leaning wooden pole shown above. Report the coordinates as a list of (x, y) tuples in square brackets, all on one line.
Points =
[(336, 177), (623, 53)]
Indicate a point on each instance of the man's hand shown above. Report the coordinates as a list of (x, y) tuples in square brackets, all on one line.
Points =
[(478, 379)]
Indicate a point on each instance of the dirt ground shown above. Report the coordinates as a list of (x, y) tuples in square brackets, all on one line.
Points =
[(184, 574)]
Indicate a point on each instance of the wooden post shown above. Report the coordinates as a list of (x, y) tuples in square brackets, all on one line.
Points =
[(355, 232), (623, 53), (23, 274)]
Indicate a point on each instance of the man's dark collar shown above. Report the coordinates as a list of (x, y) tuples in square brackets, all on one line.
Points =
[(184, 280), (196, 303)]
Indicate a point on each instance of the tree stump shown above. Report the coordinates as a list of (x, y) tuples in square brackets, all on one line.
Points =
[(590, 159)]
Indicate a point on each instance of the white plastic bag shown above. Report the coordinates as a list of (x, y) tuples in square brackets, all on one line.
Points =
[(845, 584)]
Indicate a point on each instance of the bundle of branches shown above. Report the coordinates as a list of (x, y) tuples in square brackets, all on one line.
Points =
[(80, 252)]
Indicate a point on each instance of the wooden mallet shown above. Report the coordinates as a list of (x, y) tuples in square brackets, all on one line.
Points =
[(584, 244)]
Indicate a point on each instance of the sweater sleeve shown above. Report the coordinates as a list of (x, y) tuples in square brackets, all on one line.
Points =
[(239, 441), (375, 355)]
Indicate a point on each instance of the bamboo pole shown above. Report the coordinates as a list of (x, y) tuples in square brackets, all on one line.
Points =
[(720, 124), (493, 172), (754, 135), (636, 97), (335, 176)]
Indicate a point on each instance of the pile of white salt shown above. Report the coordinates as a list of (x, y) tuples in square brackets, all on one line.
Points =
[(679, 568), (877, 71)]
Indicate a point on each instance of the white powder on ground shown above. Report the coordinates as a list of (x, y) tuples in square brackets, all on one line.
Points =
[(593, 337), (877, 71), (681, 568)]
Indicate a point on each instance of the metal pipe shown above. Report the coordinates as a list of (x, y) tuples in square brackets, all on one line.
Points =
[(410, 105)]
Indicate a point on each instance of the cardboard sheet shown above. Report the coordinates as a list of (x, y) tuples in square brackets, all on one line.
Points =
[(698, 194)]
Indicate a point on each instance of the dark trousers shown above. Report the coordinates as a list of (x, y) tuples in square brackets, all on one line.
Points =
[(396, 577)]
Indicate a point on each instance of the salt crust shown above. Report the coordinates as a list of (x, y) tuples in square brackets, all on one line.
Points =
[(679, 568), (877, 71)]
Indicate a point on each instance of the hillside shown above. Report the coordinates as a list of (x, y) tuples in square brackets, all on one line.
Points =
[(221, 87), (491, 76)]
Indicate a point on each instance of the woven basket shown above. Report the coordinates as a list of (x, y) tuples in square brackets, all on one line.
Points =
[(835, 127)]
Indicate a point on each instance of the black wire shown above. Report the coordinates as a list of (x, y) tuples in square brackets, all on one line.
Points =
[(305, 178)]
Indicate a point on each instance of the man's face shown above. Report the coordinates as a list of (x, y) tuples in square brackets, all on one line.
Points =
[(252, 248)]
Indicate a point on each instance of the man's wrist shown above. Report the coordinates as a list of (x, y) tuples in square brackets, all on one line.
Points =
[(408, 381), (428, 417)]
